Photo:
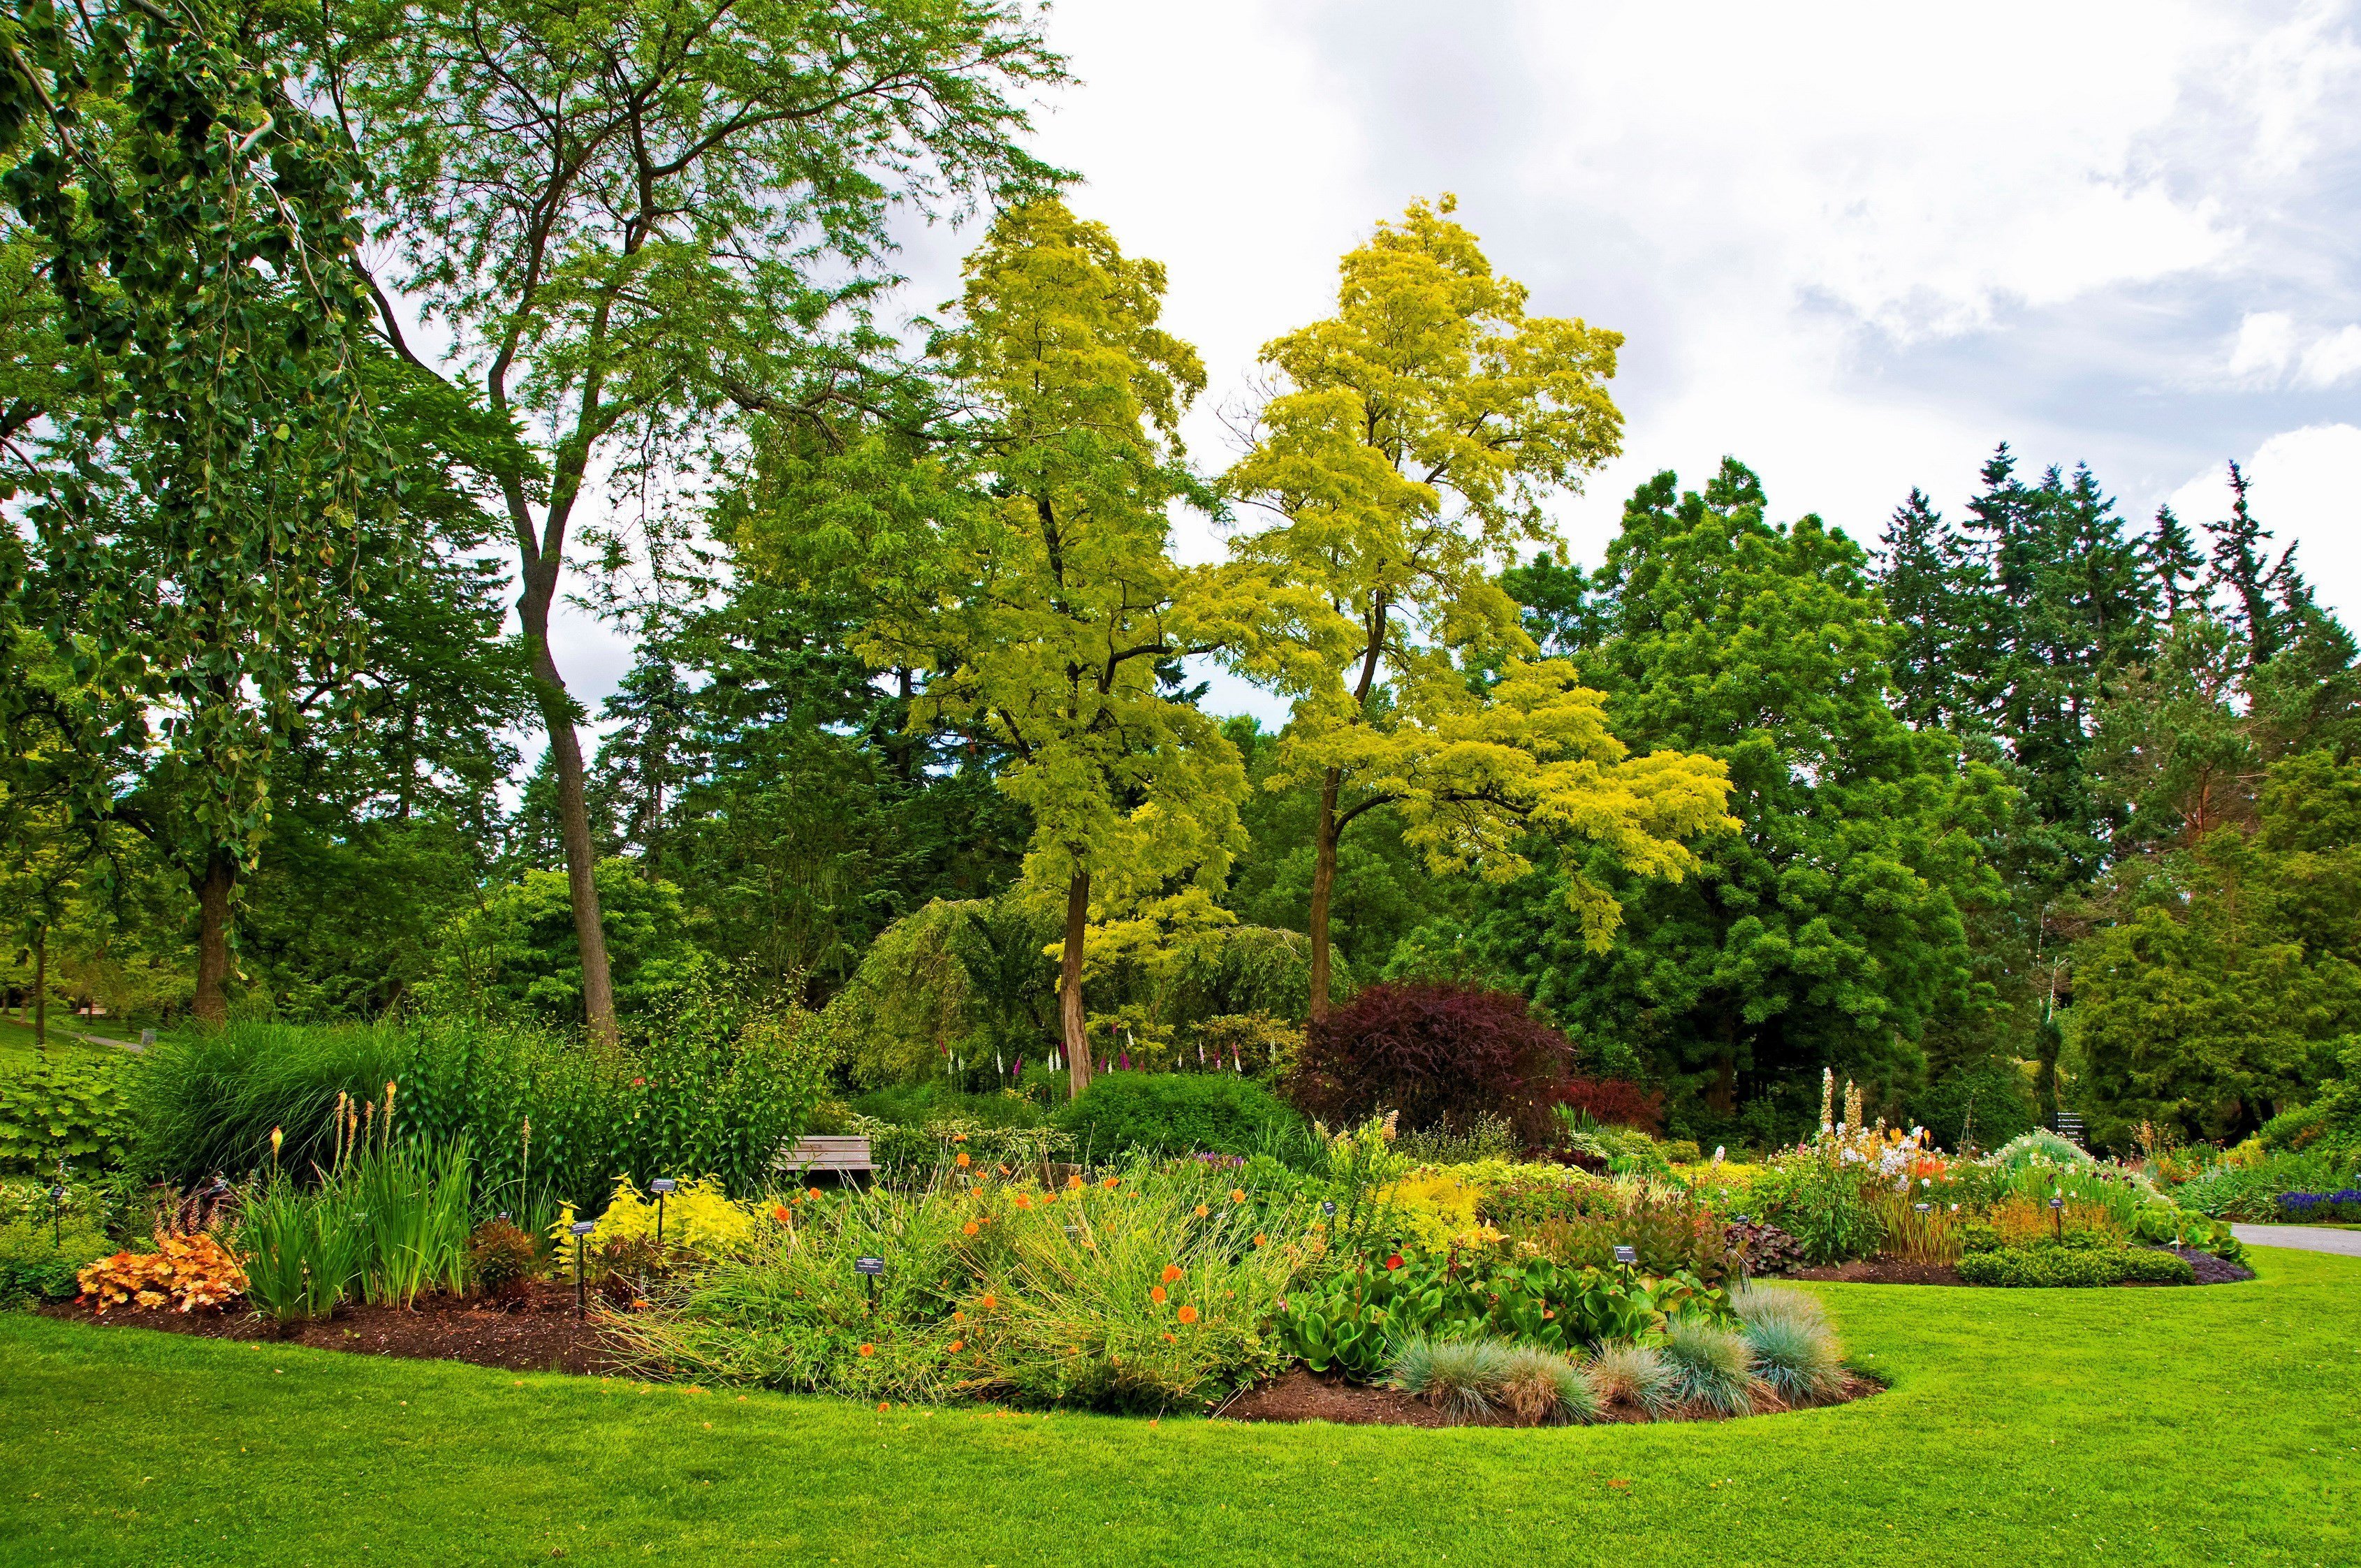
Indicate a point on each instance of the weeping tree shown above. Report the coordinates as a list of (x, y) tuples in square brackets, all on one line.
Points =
[(211, 506)]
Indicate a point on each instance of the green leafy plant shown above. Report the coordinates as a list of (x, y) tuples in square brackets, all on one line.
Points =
[(306, 1252), (72, 1110), (1172, 1112), (503, 1260), (39, 1258)]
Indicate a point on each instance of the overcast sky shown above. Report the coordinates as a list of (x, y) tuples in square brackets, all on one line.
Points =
[(1854, 245)]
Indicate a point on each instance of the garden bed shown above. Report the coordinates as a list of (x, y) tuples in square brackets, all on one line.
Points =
[(2209, 1270), (540, 1335), (1302, 1396)]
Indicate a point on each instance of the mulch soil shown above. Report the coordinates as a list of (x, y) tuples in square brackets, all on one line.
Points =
[(1301, 1395), (538, 1334), (2209, 1270)]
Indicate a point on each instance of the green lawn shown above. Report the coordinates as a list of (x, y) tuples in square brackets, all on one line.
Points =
[(18, 1050), (2198, 1426)]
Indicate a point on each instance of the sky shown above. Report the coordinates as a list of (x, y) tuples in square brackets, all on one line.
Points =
[(1855, 246)]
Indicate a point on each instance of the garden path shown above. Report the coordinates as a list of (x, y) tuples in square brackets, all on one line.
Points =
[(2307, 1238)]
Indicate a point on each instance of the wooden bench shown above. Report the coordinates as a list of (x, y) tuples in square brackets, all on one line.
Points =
[(843, 1157)]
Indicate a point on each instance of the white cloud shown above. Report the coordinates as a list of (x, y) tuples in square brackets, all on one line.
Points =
[(2334, 357), (2270, 351)]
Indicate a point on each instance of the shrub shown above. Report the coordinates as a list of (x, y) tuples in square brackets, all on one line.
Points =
[(1920, 1235), (207, 1102), (916, 1104), (1437, 1054), (2152, 1265), (1796, 1357), (1540, 1386), (2054, 1266), (39, 1259), (1462, 1378), (1173, 1113), (1989, 1102), (1614, 1102), (185, 1272), (69, 1109), (1825, 1209), (1711, 1366), (1635, 1377), (1756, 1304), (503, 1260), (697, 1217), (1766, 1248)]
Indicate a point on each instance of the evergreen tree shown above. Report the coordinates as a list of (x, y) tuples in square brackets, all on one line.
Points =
[(1931, 590)]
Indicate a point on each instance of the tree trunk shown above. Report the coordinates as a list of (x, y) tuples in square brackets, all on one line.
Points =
[(1070, 986), (573, 807), (41, 990), (1323, 882), (211, 1005)]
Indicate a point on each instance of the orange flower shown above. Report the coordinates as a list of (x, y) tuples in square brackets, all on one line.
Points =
[(1203, 1210), (960, 1138), (1023, 1202), (1172, 1272), (813, 1193), (1237, 1194), (988, 1303), (1110, 1181), (1157, 1295), (1172, 1339), (1073, 1181), (962, 1160), (868, 1350), (1188, 1314), (968, 1229), (957, 1346), (1259, 1238), (882, 1407), (959, 1317), (780, 1214)]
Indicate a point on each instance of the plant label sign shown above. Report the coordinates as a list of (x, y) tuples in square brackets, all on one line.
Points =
[(1627, 1254), (1328, 1207), (869, 1265)]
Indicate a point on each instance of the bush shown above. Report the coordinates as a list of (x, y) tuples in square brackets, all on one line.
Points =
[(2055, 1266), (1615, 1102), (916, 1104), (69, 1109), (716, 1088), (503, 1260), (1711, 1366), (1792, 1353), (1635, 1377), (916, 1157), (39, 1260), (1459, 1377), (1440, 1055), (1989, 1100), (1173, 1113)]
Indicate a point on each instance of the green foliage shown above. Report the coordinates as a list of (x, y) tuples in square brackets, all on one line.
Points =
[(1790, 1348), (1174, 1112), (1988, 1103), (1821, 1202), (71, 1109), (2048, 1265), (305, 1251), (1829, 929), (517, 950), (1712, 1366), (1459, 1377), (1352, 1321), (40, 1257), (918, 1104)]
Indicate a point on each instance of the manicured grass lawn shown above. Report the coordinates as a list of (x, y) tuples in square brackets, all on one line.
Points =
[(17, 1049), (2198, 1426)]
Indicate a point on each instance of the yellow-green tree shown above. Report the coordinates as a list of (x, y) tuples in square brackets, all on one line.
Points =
[(1408, 453), (1016, 561)]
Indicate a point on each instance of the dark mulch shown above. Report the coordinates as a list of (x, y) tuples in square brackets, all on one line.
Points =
[(1301, 1395), (539, 1335), (2209, 1270)]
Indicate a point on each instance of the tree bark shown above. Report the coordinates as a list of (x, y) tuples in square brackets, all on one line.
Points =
[(1070, 986), (573, 804), (41, 990), (211, 1004), (1323, 883)]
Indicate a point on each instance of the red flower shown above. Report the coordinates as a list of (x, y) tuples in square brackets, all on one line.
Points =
[(1394, 1262), (639, 1083)]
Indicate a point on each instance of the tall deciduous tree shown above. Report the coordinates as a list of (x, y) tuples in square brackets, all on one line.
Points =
[(215, 505), (638, 222), (1416, 436)]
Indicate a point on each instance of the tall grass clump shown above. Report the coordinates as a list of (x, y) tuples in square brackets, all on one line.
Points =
[(306, 1251), (1634, 1375), (1461, 1378), (1798, 1360), (1539, 1386), (1711, 1366), (206, 1103), (414, 1203)]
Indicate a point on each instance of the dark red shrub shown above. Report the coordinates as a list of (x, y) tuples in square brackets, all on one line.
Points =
[(1441, 1055), (1613, 1102)]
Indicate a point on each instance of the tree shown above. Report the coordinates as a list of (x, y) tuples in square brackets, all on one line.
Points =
[(2222, 987), (214, 505), (639, 226), (1829, 928), (1932, 593), (1419, 432), (1015, 555)]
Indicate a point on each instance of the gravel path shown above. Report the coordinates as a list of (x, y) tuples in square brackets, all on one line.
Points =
[(2306, 1238)]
